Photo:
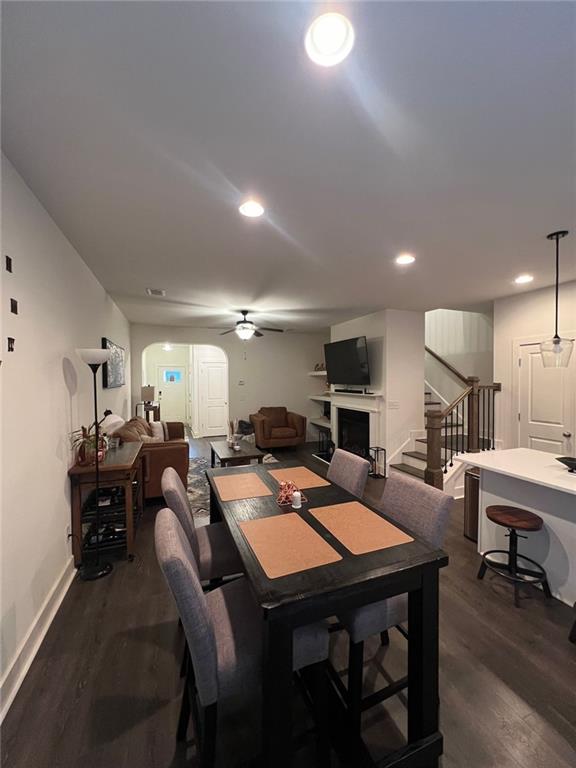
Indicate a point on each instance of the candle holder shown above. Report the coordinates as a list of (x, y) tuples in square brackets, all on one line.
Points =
[(284, 497)]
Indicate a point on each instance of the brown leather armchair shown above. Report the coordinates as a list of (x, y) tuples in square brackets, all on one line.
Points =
[(157, 454), (276, 427)]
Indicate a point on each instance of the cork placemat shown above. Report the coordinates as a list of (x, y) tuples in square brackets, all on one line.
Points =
[(241, 485), (358, 528), (286, 544), (302, 477)]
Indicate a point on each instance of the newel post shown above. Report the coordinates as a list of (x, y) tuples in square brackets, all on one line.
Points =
[(473, 415), (433, 474)]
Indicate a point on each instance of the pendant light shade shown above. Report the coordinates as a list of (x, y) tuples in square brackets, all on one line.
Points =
[(556, 352)]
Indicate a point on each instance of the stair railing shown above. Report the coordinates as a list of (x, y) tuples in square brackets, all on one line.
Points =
[(466, 425)]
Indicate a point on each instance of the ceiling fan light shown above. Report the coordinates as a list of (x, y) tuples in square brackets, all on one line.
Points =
[(556, 352), (245, 331)]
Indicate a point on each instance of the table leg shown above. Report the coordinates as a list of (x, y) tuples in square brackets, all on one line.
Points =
[(212, 458), (215, 514), (77, 523), (129, 518), (423, 655), (277, 694), (140, 480), (260, 459)]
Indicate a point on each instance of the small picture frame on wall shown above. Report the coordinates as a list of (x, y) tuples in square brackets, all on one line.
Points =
[(113, 372)]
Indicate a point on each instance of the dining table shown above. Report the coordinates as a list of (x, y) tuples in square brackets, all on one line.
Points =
[(347, 582)]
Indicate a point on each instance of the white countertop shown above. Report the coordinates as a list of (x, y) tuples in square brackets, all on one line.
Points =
[(524, 464)]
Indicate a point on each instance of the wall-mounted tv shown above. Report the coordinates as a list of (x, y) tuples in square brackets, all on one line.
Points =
[(347, 361)]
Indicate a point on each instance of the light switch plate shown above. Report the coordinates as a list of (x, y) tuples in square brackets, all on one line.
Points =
[(393, 405)]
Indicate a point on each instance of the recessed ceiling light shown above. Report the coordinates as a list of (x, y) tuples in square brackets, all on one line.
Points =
[(405, 258), (155, 291), (329, 39), (521, 279), (251, 208)]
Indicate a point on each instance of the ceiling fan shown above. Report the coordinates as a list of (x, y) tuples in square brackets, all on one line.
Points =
[(245, 328)]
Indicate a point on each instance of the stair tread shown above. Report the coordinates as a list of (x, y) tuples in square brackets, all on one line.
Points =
[(482, 440), (415, 455), (409, 470)]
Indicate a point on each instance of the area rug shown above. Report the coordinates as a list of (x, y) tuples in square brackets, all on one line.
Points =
[(199, 490)]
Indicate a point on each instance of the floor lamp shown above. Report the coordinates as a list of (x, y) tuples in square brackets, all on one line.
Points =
[(94, 358)]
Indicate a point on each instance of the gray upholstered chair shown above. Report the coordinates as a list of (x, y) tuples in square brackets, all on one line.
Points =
[(349, 471), (213, 547), (224, 633), (425, 511)]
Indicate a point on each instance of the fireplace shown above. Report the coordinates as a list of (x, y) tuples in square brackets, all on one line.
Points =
[(354, 431)]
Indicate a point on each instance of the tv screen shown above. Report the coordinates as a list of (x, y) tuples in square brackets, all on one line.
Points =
[(347, 361)]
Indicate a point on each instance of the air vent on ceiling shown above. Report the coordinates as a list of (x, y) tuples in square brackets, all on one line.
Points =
[(155, 291)]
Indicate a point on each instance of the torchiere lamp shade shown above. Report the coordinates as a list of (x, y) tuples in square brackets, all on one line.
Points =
[(93, 356)]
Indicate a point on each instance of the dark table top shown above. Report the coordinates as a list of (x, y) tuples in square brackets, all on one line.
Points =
[(224, 451), (123, 457), (369, 573)]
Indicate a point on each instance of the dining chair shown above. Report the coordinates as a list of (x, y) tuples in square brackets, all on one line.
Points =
[(224, 633), (424, 511), (349, 471), (213, 547)]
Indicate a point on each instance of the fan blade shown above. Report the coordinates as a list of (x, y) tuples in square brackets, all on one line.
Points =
[(257, 333), (225, 332), (271, 330)]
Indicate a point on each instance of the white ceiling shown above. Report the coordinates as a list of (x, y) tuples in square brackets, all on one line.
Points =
[(449, 132)]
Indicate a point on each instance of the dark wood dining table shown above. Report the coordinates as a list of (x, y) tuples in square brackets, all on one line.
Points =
[(318, 593)]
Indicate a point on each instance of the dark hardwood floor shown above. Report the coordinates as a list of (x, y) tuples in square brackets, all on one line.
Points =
[(104, 690)]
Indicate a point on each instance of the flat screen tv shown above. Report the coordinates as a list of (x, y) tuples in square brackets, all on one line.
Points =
[(347, 361)]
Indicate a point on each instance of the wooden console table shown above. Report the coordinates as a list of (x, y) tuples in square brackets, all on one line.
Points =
[(120, 468)]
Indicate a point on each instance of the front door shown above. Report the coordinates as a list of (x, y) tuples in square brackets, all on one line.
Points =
[(213, 409), (171, 388), (546, 403)]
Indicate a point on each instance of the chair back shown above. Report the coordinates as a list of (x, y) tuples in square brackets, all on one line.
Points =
[(422, 509), (181, 572), (176, 498), (277, 415), (349, 471)]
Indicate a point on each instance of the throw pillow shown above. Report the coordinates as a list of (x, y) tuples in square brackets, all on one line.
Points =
[(157, 429)]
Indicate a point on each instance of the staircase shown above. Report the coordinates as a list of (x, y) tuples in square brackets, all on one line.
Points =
[(414, 462), (465, 425)]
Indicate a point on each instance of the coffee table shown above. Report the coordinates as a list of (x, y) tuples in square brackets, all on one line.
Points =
[(230, 458)]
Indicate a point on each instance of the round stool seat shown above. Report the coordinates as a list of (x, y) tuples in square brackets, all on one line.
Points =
[(514, 517)]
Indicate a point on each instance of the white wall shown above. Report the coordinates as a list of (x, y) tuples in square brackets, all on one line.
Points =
[(525, 317), (155, 356), (46, 393), (395, 340), (189, 356), (463, 339), (272, 370)]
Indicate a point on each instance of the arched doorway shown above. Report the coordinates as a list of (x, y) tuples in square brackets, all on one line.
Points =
[(191, 384)]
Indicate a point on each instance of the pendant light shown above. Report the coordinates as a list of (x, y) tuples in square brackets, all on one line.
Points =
[(556, 351)]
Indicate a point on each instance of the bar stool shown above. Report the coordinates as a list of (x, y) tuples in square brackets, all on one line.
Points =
[(514, 519)]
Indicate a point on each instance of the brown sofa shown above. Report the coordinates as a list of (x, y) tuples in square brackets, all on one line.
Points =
[(278, 428), (157, 454)]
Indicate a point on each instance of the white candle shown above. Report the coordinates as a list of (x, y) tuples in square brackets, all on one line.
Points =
[(296, 500)]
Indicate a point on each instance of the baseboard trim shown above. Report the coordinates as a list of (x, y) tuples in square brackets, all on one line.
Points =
[(14, 676)]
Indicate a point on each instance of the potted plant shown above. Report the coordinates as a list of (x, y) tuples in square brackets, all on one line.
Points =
[(83, 441)]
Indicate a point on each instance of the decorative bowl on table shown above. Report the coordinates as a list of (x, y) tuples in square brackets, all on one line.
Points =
[(568, 461)]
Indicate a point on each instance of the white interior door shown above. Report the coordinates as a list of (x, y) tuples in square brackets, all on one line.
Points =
[(546, 403), (213, 377), (171, 383)]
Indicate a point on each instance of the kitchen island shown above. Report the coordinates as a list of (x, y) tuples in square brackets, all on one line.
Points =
[(532, 480)]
